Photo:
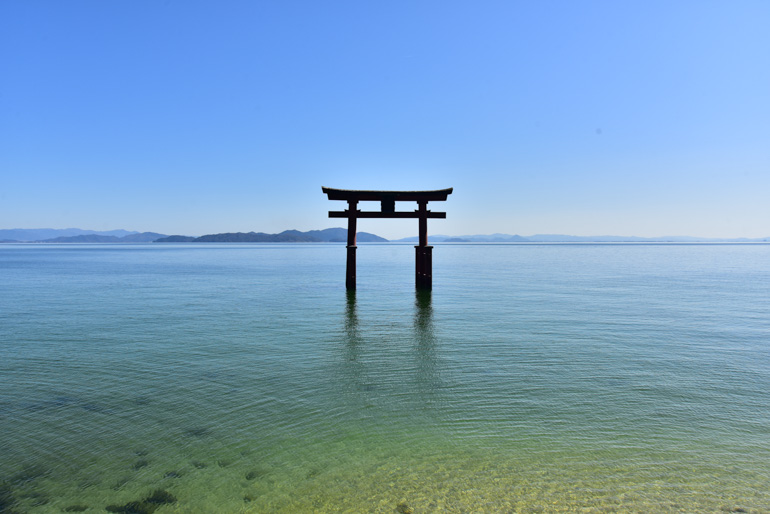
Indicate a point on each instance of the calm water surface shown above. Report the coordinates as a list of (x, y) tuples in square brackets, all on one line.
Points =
[(244, 378)]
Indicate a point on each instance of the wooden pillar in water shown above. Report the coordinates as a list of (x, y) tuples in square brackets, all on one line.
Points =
[(350, 268), (423, 263), (424, 267)]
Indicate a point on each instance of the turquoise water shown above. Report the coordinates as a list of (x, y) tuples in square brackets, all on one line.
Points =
[(244, 378)]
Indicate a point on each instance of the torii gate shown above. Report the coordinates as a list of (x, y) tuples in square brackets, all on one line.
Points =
[(388, 199)]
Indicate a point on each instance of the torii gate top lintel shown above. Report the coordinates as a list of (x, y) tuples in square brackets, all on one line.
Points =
[(388, 199), (438, 195)]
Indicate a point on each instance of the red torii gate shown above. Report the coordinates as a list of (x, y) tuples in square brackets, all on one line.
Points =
[(388, 199)]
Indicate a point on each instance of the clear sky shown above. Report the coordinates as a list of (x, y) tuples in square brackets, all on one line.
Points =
[(637, 118)]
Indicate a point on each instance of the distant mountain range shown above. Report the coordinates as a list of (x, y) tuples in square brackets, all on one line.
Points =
[(329, 235), (75, 235), (144, 237), (559, 238)]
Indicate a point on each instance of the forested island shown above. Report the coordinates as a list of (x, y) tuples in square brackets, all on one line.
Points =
[(329, 235)]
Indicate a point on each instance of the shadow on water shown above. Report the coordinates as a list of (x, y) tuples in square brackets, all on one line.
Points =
[(353, 339), (423, 314), (355, 372), (351, 313), (423, 324), (425, 337), (421, 341)]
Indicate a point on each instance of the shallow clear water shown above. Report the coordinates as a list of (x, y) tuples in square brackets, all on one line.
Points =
[(244, 378)]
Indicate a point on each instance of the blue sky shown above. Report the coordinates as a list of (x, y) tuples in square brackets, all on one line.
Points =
[(640, 118)]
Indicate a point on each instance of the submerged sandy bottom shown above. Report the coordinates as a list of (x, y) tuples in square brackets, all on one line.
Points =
[(419, 474)]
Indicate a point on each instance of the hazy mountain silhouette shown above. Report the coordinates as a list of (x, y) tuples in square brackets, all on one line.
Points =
[(329, 235)]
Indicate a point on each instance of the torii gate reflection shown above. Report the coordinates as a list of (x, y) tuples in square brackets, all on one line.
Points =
[(388, 199)]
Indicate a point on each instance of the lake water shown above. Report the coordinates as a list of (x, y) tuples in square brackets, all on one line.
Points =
[(244, 378)]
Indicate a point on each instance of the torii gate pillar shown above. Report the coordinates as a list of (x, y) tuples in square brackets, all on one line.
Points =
[(423, 259), (350, 267), (423, 252)]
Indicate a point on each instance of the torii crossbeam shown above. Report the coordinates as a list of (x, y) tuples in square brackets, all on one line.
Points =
[(388, 199)]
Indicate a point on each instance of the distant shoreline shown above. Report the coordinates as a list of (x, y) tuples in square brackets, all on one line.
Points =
[(402, 243), (337, 235)]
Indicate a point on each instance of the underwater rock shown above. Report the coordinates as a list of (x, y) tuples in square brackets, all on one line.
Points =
[(251, 475), (132, 508), (198, 464), (141, 464), (35, 406), (160, 497), (75, 508), (120, 483), (404, 508), (63, 401), (223, 463), (7, 501), (36, 499), (147, 506), (92, 407), (29, 474), (249, 498), (174, 474), (197, 432)]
